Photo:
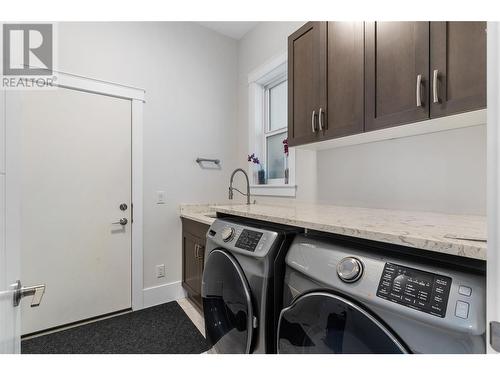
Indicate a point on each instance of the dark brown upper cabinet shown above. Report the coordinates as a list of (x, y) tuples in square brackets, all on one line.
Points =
[(397, 73), (351, 77), (306, 82), (458, 67), (345, 78), (325, 81)]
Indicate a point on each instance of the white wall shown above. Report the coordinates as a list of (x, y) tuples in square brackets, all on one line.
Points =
[(443, 172), (189, 74)]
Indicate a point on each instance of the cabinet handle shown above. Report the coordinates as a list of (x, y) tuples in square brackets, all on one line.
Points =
[(312, 121), (196, 250), (435, 97), (419, 86), (320, 122)]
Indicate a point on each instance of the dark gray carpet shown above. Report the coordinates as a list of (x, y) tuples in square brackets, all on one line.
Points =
[(163, 329)]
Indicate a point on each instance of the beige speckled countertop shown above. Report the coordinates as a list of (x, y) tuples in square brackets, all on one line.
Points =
[(203, 213), (422, 230)]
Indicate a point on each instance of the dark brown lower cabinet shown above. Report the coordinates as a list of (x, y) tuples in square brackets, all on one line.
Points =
[(193, 251)]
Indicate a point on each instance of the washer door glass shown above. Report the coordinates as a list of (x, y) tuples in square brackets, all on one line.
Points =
[(326, 323), (227, 305)]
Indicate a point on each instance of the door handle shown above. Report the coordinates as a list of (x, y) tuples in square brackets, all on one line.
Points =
[(419, 90), (312, 121), (320, 119), (435, 98), (37, 291), (122, 221)]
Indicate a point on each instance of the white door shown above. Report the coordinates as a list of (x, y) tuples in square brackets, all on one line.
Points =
[(76, 172)]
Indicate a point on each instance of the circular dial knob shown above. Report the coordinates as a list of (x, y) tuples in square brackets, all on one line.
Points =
[(227, 234), (349, 269)]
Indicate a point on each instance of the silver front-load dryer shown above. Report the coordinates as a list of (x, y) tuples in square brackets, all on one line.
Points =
[(348, 297), (242, 284)]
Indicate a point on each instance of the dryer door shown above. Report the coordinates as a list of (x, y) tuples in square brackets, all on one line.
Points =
[(227, 304), (319, 322)]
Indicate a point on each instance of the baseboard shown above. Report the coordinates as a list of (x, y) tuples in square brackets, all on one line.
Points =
[(164, 293)]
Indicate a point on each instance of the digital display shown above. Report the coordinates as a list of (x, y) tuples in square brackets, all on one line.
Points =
[(248, 240), (420, 290)]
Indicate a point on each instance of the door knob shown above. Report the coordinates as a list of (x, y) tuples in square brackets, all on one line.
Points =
[(37, 291), (122, 221)]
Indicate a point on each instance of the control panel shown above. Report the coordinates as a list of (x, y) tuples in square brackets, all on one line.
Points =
[(420, 290), (248, 240)]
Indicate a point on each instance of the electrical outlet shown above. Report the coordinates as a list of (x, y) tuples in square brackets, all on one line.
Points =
[(160, 271)]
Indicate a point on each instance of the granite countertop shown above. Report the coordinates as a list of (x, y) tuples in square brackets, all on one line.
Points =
[(203, 213), (422, 230)]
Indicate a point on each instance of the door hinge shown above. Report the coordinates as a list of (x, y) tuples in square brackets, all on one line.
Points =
[(495, 335), (131, 212)]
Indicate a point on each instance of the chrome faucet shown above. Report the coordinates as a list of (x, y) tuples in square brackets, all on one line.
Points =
[(231, 188)]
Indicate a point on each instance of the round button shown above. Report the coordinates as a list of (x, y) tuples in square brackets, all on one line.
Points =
[(349, 269), (227, 234)]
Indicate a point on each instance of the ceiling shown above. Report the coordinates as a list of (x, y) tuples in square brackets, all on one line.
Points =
[(235, 30)]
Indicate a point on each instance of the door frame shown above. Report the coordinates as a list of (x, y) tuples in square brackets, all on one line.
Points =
[(493, 175), (14, 164)]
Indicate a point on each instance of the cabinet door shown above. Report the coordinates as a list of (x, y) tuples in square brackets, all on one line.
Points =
[(191, 275), (345, 71), (397, 73), (458, 67), (306, 81)]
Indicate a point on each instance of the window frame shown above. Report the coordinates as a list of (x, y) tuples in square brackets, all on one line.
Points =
[(260, 80)]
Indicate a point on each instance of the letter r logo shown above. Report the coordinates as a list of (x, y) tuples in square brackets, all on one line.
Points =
[(27, 49)]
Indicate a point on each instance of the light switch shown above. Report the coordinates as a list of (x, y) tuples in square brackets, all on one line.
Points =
[(160, 197)]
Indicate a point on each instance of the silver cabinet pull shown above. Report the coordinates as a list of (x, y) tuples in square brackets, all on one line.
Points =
[(37, 291), (312, 121), (122, 221), (320, 121), (419, 86), (198, 253), (435, 98)]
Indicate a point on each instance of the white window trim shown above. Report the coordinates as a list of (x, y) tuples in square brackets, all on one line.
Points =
[(258, 79)]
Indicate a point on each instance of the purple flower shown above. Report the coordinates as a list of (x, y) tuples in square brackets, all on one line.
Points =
[(252, 158), (285, 146)]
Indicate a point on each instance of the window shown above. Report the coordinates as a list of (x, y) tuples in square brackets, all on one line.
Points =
[(268, 112), (275, 130)]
